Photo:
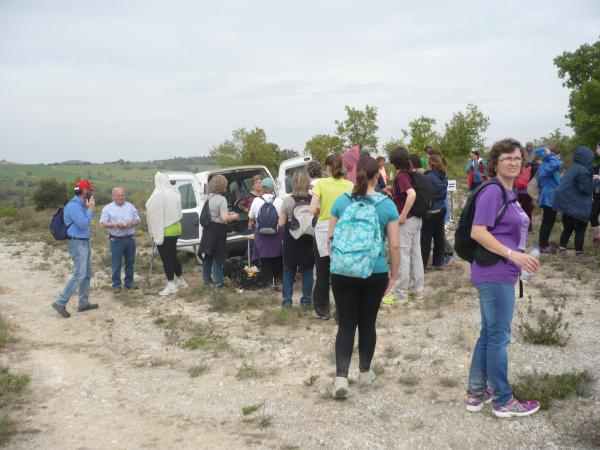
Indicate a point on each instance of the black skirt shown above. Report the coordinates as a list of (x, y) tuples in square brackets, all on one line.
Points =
[(214, 242), (297, 252)]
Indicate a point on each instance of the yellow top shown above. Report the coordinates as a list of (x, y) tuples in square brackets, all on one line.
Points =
[(327, 190), (173, 230)]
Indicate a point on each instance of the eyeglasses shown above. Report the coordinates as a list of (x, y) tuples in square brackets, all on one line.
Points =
[(511, 160)]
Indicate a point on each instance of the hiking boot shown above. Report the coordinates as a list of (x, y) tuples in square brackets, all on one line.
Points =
[(131, 286), (305, 306), (88, 307), (61, 310), (340, 388), (562, 253), (117, 290), (367, 377), (286, 304), (320, 316), (170, 289), (181, 283), (515, 408), (475, 402)]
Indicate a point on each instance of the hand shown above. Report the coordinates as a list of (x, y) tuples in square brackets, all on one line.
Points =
[(525, 261), (402, 219), (91, 203), (390, 285), (547, 151)]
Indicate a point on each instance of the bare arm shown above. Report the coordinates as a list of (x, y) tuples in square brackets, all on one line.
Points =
[(411, 196), (282, 220), (315, 206), (332, 223), (481, 235)]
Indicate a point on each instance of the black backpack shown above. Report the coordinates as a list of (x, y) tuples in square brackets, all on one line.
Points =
[(464, 246), (424, 189), (205, 219)]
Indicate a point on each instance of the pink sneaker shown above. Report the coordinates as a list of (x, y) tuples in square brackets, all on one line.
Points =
[(475, 402), (515, 408)]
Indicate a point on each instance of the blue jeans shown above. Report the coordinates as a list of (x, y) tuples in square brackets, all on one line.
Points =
[(490, 357), (81, 254), (289, 278), (210, 269), (122, 249)]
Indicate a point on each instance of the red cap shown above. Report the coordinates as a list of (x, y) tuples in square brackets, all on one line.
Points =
[(85, 184)]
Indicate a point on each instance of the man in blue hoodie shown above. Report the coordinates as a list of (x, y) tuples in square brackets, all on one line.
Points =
[(78, 214), (573, 199)]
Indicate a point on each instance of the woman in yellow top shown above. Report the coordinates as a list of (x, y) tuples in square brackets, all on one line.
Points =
[(325, 192), (163, 212)]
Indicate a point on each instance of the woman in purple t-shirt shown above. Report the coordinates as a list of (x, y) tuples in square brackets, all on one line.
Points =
[(495, 282)]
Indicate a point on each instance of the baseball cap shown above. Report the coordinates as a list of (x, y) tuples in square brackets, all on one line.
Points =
[(268, 183), (85, 184)]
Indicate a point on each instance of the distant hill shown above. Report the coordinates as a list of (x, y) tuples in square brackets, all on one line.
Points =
[(4, 162)]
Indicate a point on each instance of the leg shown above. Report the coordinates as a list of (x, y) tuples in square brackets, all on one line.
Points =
[(594, 222), (321, 290), (548, 219), (84, 287), (415, 252), (346, 295), (426, 235), (478, 379), (117, 250), (307, 285), (207, 267), (278, 268), (176, 263), (289, 278), (266, 271), (167, 260), (370, 295), (568, 228), (217, 271), (130, 249), (79, 254), (401, 284), (580, 228), (438, 239)]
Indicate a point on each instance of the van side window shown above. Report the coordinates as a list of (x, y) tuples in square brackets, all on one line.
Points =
[(188, 199)]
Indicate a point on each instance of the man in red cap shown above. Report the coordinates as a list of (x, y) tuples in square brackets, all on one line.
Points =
[(78, 214)]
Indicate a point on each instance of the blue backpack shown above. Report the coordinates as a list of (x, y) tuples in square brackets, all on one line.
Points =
[(266, 221), (357, 240)]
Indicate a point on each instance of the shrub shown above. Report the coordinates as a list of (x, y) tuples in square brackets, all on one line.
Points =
[(550, 329), (545, 387), (50, 194)]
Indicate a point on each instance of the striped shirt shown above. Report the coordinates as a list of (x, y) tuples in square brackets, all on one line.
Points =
[(113, 213)]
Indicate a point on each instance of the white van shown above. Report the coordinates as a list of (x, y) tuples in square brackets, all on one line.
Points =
[(193, 188)]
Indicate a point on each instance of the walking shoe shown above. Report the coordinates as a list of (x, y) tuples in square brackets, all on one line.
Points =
[(340, 388), (515, 408), (61, 310), (88, 307), (475, 402), (181, 283), (317, 315), (417, 295), (562, 252), (367, 377), (392, 300), (131, 286), (286, 304), (117, 290), (547, 250), (170, 289), (305, 306)]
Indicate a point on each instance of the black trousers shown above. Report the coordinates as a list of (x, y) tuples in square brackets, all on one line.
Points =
[(270, 269), (321, 289), (548, 219), (595, 211), (571, 224), (357, 302), (433, 227), (168, 255)]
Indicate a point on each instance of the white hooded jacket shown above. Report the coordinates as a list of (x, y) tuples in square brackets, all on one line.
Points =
[(163, 208)]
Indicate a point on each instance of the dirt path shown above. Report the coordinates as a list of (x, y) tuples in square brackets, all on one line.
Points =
[(113, 378)]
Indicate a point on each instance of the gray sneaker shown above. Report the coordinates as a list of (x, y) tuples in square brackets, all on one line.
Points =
[(340, 388), (367, 377)]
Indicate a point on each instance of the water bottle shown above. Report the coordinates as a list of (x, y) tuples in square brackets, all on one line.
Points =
[(526, 277)]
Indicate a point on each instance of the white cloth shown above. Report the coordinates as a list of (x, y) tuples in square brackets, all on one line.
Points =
[(321, 237), (163, 208), (258, 202)]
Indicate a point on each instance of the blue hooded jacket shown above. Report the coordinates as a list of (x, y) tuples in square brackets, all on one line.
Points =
[(574, 195), (440, 188), (548, 176)]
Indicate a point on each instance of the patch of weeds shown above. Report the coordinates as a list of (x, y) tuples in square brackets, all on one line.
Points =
[(11, 384), (391, 351), (378, 368), (578, 312), (196, 292), (545, 387), (201, 336), (159, 362), (221, 345), (409, 380), (280, 316), (197, 370), (310, 381), (448, 382), (433, 395), (438, 314), (437, 362), (412, 356), (247, 410), (588, 430), (265, 421), (221, 301), (43, 266), (3, 332), (410, 391), (7, 429), (443, 297), (549, 328), (128, 298), (460, 339), (428, 333), (247, 370)]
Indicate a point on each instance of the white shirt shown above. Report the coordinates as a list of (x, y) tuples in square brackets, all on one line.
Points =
[(258, 202)]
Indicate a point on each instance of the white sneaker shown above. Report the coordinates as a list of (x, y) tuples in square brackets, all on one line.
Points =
[(340, 388), (170, 289), (181, 283), (368, 377)]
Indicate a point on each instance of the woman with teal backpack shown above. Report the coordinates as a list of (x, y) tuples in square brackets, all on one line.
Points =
[(359, 223)]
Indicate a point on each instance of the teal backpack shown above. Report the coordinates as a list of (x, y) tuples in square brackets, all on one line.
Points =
[(357, 239)]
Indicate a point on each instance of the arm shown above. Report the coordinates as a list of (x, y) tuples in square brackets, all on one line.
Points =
[(584, 183), (282, 220), (411, 196), (469, 164), (80, 217), (393, 236), (481, 235), (315, 205), (332, 223)]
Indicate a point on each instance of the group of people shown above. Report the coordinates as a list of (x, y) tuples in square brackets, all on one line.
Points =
[(329, 218)]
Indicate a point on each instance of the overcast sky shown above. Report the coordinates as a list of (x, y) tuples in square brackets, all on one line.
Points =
[(101, 80)]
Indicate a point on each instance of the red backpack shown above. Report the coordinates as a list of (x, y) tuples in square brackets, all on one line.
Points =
[(523, 179)]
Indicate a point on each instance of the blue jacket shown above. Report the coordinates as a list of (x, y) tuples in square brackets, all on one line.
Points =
[(548, 176), (77, 218), (440, 188), (574, 195)]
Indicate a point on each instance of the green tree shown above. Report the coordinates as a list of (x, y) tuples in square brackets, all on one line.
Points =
[(464, 132), (50, 194), (392, 144), (248, 147), (581, 71), (321, 145), (421, 132), (359, 128), (286, 153), (566, 144)]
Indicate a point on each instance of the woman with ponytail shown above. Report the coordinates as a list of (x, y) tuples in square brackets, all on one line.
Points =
[(357, 300), (324, 193)]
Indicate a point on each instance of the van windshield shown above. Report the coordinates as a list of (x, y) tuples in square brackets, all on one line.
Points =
[(239, 185)]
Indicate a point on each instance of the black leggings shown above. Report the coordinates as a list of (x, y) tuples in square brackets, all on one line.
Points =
[(271, 269), (357, 302), (168, 255), (595, 211), (548, 219), (571, 224), (433, 227)]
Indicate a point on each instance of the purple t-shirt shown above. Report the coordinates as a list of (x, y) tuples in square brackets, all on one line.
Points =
[(511, 231)]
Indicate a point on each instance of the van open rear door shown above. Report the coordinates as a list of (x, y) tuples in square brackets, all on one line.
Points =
[(188, 187), (286, 174)]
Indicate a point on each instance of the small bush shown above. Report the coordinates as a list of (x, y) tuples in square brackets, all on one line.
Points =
[(197, 370), (10, 384), (247, 370), (3, 332), (409, 380), (448, 382), (201, 336), (281, 317), (7, 429), (545, 387), (50, 194), (310, 381), (247, 410), (550, 329)]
